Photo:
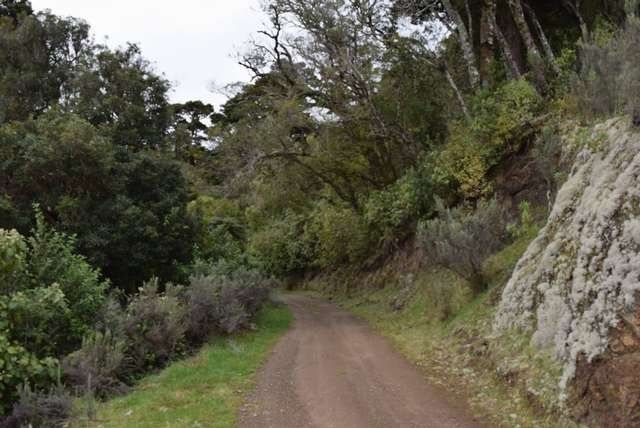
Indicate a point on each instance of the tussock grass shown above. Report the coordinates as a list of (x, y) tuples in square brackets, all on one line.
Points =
[(205, 390)]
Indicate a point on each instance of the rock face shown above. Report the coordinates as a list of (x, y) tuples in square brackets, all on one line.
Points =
[(578, 281)]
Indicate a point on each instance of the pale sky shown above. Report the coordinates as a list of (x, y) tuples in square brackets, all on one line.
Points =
[(190, 41)]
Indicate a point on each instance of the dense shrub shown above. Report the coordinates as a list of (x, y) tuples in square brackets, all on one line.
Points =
[(389, 212), (223, 303), (48, 301), (13, 255), (18, 365), (278, 248), (52, 260), (38, 319), (336, 235), (40, 409), (499, 119), (609, 78), (220, 228), (97, 367), (155, 326), (461, 239)]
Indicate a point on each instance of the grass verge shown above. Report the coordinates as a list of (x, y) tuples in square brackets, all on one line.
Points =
[(205, 390)]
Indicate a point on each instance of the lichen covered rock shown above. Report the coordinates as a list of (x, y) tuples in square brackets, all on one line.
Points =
[(582, 274)]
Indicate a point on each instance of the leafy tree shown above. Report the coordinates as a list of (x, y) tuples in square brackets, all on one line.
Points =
[(128, 210), (38, 58), (15, 8), (120, 93)]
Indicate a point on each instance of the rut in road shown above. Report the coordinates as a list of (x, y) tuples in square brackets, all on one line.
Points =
[(331, 370)]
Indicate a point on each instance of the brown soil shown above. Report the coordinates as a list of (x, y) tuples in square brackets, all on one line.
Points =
[(606, 392), (331, 370)]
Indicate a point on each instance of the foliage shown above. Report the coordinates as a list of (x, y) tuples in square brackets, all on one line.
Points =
[(220, 228), (128, 210), (38, 58), (41, 409), (13, 260), (52, 260), (279, 247), (337, 236), (48, 303), (18, 365), (155, 326), (120, 93), (98, 366), (390, 211), (461, 239), (498, 123), (608, 81), (53, 295), (223, 369), (223, 303)]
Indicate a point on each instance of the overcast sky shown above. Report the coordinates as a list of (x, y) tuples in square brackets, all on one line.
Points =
[(191, 41)]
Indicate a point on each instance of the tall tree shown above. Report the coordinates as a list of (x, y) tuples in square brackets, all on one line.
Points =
[(38, 59), (118, 91)]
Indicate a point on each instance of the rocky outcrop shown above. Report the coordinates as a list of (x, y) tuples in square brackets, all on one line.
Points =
[(578, 281)]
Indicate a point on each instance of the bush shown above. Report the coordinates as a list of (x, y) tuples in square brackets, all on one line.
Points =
[(223, 304), (499, 119), (17, 366), (155, 326), (338, 236), (97, 368), (220, 228), (37, 319), (40, 409), (461, 239), (52, 260), (609, 78), (277, 248), (13, 261), (389, 212), (49, 298)]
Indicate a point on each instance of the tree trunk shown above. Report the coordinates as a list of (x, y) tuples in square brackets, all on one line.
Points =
[(466, 43), (575, 9), (533, 54), (456, 90), (513, 70), (487, 39), (544, 41)]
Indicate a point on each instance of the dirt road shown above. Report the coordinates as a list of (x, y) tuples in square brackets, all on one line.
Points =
[(331, 370)]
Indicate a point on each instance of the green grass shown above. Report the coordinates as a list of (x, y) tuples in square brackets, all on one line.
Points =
[(203, 391)]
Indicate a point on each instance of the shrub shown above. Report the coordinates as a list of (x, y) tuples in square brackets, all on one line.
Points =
[(277, 247), (223, 303), (499, 119), (37, 319), (609, 79), (111, 318), (220, 228), (41, 409), (96, 368), (13, 255), (52, 261), (461, 239), (338, 234), (17, 366), (155, 326), (390, 211)]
